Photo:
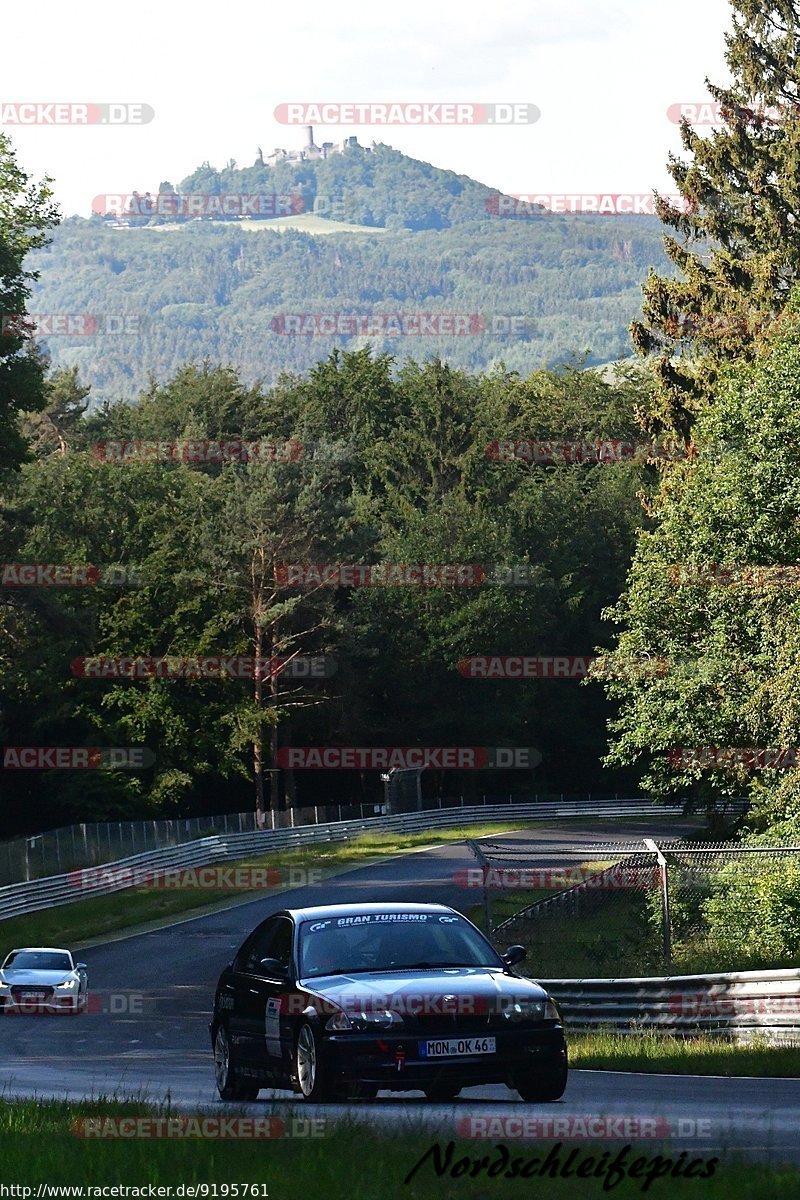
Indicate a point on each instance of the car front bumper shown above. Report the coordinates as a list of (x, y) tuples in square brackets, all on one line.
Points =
[(395, 1063), (50, 1005)]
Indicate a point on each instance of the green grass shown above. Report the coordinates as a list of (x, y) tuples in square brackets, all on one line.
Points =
[(311, 223), (352, 1162), (90, 919), (702, 1055), (609, 935)]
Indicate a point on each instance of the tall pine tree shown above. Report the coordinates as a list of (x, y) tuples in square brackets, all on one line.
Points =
[(737, 245)]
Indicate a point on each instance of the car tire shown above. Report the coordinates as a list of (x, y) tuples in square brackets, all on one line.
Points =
[(230, 1084), (442, 1093), (543, 1086), (315, 1085)]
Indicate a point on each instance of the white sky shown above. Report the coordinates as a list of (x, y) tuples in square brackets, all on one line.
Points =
[(603, 73)]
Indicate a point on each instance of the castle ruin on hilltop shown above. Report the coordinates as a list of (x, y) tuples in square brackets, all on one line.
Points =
[(310, 152)]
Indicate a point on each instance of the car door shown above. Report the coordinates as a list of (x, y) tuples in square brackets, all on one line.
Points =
[(236, 997), (263, 993)]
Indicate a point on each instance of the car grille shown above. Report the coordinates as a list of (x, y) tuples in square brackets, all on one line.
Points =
[(431, 1024), (32, 993)]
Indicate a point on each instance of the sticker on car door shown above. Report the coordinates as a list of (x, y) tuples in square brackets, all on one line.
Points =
[(272, 1026)]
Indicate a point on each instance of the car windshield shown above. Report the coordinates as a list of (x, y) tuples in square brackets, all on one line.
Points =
[(38, 960), (391, 942)]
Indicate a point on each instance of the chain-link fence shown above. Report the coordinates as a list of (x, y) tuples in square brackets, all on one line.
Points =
[(641, 908), (93, 843)]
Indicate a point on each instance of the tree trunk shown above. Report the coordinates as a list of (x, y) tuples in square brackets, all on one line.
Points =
[(258, 757), (274, 796)]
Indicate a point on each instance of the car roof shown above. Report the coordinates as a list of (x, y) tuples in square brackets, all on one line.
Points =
[(348, 910)]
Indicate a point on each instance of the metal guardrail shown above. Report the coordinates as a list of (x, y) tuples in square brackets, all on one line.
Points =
[(19, 898), (54, 851), (739, 1005)]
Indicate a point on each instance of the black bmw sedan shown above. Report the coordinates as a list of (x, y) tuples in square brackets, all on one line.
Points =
[(347, 1000)]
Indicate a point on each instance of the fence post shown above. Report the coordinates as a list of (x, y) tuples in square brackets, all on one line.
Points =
[(487, 909), (665, 919)]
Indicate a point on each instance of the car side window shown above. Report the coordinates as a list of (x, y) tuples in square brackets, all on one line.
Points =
[(281, 945), (272, 940), (256, 948)]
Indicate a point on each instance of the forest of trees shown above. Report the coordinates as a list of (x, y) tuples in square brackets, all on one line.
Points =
[(395, 469)]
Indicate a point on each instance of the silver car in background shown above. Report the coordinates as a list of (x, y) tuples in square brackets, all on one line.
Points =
[(42, 979)]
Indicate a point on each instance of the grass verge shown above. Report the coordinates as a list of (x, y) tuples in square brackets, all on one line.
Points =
[(350, 1162), (663, 1053)]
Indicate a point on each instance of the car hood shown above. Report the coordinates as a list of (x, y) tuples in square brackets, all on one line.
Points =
[(486, 983), (29, 978)]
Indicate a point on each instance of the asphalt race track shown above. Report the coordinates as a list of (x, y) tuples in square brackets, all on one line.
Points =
[(166, 978)]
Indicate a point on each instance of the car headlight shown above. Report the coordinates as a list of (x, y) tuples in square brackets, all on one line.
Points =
[(383, 1018), (70, 983), (532, 1010), (339, 1023), (4, 986)]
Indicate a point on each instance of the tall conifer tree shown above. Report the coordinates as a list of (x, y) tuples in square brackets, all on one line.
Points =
[(736, 242)]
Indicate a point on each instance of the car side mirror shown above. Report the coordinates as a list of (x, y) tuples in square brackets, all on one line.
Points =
[(273, 966), (514, 954)]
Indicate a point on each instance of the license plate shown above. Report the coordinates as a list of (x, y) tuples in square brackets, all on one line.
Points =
[(33, 995), (456, 1047)]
